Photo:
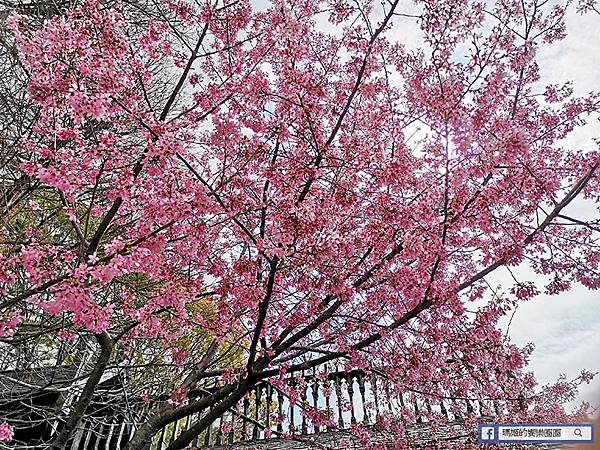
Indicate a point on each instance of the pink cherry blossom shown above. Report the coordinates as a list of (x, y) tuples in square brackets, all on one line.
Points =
[(294, 183), (6, 432)]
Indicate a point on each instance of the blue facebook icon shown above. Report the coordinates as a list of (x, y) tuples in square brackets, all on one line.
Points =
[(487, 433)]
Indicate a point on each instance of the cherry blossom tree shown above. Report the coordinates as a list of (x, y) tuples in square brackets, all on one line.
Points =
[(291, 181)]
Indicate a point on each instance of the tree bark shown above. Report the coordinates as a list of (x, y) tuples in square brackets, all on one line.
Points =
[(164, 417), (188, 436), (84, 400)]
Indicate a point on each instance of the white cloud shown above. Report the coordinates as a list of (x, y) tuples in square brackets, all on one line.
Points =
[(565, 329)]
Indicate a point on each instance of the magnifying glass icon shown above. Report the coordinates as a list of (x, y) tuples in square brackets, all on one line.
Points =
[(577, 432)]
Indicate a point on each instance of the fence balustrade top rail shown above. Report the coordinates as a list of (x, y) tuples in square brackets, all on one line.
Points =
[(343, 400)]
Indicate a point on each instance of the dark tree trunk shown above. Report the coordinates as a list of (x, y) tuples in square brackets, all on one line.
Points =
[(166, 415), (188, 436), (84, 400)]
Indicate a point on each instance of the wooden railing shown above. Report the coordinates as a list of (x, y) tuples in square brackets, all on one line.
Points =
[(348, 399)]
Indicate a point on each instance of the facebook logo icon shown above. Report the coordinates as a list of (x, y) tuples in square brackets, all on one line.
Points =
[(486, 434)]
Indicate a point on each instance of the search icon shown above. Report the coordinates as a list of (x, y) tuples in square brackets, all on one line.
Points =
[(577, 432)]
